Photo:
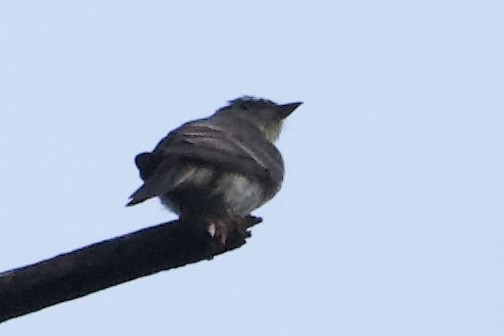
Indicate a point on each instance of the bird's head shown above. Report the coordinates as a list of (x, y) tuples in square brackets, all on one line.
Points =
[(262, 113)]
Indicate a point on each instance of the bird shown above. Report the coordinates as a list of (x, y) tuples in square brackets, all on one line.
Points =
[(220, 166)]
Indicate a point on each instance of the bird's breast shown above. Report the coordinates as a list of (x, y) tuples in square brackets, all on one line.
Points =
[(241, 194), (236, 192)]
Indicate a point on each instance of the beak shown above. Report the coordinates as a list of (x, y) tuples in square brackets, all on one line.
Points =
[(287, 109)]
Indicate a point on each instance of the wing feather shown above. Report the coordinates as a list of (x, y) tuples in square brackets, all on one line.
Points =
[(202, 142)]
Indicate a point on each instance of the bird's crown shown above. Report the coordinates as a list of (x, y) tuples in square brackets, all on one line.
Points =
[(247, 102)]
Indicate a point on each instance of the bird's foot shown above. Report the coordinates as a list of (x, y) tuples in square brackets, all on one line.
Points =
[(218, 230), (230, 229)]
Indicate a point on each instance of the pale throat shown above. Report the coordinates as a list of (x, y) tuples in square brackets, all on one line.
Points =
[(271, 130)]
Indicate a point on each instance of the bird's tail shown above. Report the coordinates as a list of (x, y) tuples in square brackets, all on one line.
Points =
[(163, 180), (141, 194)]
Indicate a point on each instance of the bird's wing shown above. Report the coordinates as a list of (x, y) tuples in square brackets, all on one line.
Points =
[(163, 178), (203, 143), (247, 152)]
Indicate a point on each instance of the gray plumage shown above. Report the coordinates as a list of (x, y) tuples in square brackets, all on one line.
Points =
[(224, 163)]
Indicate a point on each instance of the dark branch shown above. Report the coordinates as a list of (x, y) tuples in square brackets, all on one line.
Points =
[(111, 262)]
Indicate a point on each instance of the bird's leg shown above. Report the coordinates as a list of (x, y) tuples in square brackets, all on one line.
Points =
[(223, 228), (227, 226), (231, 227), (218, 230)]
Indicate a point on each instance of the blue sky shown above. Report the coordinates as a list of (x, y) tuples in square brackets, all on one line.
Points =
[(390, 218)]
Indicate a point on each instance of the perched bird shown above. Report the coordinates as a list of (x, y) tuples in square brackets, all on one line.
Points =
[(223, 165)]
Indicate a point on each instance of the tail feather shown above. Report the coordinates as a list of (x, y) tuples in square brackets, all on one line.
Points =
[(162, 181), (146, 164), (141, 194)]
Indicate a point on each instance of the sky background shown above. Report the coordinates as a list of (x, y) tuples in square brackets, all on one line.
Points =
[(390, 220)]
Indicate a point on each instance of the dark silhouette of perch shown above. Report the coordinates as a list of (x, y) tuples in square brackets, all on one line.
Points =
[(111, 262)]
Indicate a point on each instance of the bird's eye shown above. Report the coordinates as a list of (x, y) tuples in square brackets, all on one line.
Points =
[(244, 106)]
